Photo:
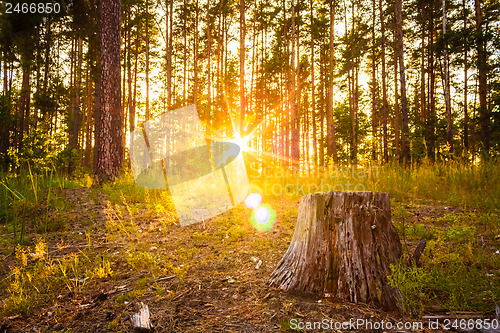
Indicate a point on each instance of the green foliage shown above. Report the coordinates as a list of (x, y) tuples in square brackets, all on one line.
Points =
[(33, 197), (411, 282), (460, 233), (419, 231), (39, 152), (457, 272), (454, 183)]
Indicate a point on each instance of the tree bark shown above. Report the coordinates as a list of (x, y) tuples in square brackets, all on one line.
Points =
[(330, 129), (75, 105), (447, 98), (397, 134), (313, 96), (209, 65), (384, 84), (404, 105), (466, 114), (374, 84), (344, 243), (184, 57), (431, 116), (423, 106), (242, 67), (147, 59), (108, 117), (168, 45), (482, 69), (295, 129), (24, 99)]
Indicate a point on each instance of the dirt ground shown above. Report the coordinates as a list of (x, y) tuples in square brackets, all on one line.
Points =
[(223, 265)]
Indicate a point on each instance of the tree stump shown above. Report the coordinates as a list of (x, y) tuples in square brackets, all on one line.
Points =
[(343, 244)]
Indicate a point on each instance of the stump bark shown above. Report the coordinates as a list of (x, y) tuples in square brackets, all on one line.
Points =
[(343, 244)]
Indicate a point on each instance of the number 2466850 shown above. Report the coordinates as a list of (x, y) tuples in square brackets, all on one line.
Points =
[(32, 8)]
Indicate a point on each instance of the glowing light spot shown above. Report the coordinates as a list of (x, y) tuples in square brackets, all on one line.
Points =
[(253, 200), (241, 142), (263, 217)]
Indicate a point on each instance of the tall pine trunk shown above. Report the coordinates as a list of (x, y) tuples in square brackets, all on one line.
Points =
[(295, 140), (404, 105), (447, 98), (384, 84), (466, 115), (147, 60), (482, 69), (75, 105), (331, 149), (108, 117), (242, 67), (313, 96), (431, 121)]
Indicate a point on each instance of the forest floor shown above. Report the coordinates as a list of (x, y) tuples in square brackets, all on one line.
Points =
[(101, 254)]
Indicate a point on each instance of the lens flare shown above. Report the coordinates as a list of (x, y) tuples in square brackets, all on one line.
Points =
[(242, 142), (253, 200), (263, 217)]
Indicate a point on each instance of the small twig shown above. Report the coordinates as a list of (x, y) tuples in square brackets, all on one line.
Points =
[(165, 278)]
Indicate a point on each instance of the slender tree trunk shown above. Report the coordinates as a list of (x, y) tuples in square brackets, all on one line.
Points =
[(295, 140), (298, 88), (88, 122), (129, 75), (374, 84), (38, 82), (431, 121), (482, 69), (24, 99), (423, 106), (134, 99), (397, 112), (169, 19), (384, 84), (195, 65), (108, 123), (242, 67), (466, 115), (322, 71), (354, 118), (313, 95), (5, 85), (147, 59), (184, 60), (75, 123), (288, 94), (209, 58), (404, 106), (447, 98), (331, 144)]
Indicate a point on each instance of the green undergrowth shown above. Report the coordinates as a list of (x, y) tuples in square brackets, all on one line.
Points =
[(460, 268), (36, 277), (448, 183), (33, 201)]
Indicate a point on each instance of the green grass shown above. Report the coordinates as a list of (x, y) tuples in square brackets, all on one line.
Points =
[(459, 272), (450, 183)]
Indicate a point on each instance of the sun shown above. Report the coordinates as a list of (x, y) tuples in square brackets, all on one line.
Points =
[(242, 142)]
